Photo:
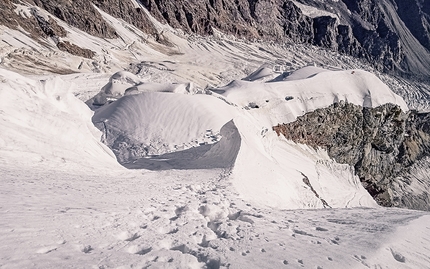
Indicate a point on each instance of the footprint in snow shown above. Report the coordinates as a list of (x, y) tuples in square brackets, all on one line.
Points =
[(139, 250), (127, 236), (46, 250), (398, 256), (86, 249)]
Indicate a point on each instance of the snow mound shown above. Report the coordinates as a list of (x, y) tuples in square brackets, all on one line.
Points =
[(272, 171), (120, 82), (261, 73), (125, 83), (184, 88), (308, 89), (159, 122), (221, 154), (43, 122), (305, 72), (232, 128)]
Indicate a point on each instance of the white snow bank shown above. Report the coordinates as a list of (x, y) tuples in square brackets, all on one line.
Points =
[(310, 88), (120, 82), (314, 12), (184, 88), (270, 170), (42, 122), (125, 83), (166, 122), (260, 74), (405, 247), (305, 72)]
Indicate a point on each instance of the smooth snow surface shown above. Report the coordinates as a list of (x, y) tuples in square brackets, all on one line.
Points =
[(165, 122), (308, 89)]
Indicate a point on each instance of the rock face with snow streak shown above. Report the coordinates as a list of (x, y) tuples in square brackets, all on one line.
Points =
[(373, 30), (383, 144), (393, 35)]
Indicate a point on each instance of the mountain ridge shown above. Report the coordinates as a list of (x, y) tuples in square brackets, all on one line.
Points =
[(392, 35)]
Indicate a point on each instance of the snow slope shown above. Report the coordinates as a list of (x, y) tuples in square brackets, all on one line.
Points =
[(308, 89), (66, 203)]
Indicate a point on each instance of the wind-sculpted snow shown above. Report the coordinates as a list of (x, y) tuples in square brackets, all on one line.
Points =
[(308, 89), (41, 121), (154, 123), (230, 127), (221, 154), (125, 83), (66, 203)]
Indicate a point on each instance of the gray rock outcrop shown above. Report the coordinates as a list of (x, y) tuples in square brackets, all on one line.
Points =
[(387, 147)]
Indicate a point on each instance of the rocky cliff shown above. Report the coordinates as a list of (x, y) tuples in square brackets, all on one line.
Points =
[(384, 145), (78, 13), (390, 36), (393, 35)]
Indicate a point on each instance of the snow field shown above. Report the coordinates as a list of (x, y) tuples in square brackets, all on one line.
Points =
[(188, 219), (65, 202)]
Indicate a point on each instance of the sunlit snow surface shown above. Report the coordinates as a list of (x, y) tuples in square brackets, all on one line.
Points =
[(65, 202)]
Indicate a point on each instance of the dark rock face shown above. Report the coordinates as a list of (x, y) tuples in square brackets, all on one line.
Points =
[(379, 39), (416, 16), (296, 25), (50, 28), (126, 11), (12, 20), (368, 29), (80, 14), (39, 27), (393, 35), (75, 50), (383, 144)]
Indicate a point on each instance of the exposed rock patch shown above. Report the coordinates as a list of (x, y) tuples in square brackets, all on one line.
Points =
[(80, 14), (75, 50), (392, 35), (13, 20), (128, 12), (38, 26), (384, 144)]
